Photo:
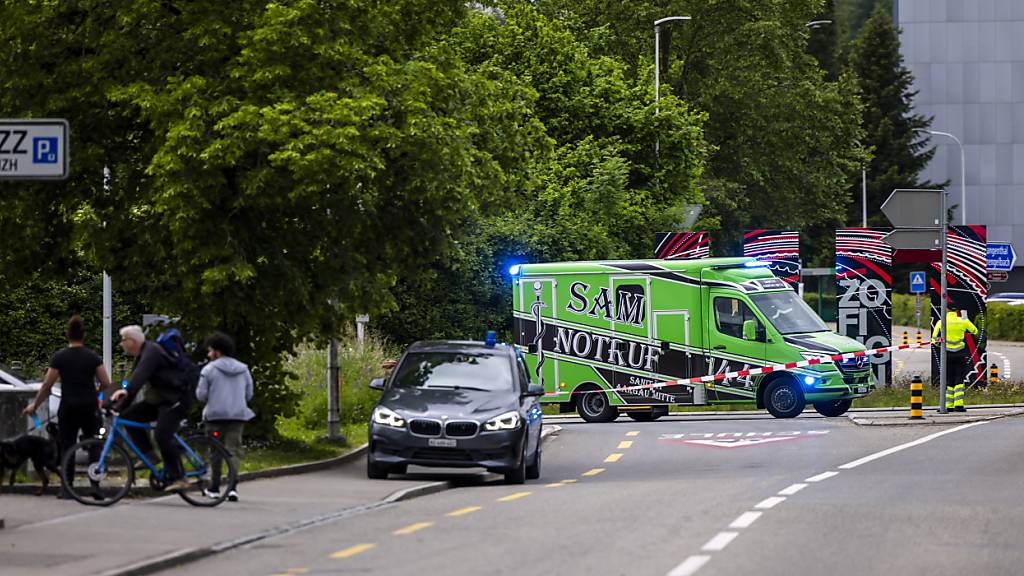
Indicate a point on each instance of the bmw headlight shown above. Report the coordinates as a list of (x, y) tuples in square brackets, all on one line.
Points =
[(507, 421), (822, 358), (387, 417)]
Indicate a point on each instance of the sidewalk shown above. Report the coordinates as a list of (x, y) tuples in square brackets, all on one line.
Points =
[(931, 416), (46, 536)]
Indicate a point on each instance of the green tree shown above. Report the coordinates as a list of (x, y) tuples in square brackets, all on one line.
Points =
[(275, 166), (827, 39), (597, 191), (889, 122)]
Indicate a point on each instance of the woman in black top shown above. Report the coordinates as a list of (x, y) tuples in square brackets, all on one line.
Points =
[(78, 368)]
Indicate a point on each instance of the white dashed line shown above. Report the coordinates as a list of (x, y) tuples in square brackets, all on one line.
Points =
[(792, 489), (720, 541), (895, 449), (822, 476), (690, 565), (745, 520), (769, 503)]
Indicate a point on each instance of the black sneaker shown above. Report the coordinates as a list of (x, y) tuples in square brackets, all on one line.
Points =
[(960, 409)]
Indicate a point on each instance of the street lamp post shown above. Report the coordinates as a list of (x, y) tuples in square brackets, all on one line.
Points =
[(657, 53), (657, 67), (963, 172)]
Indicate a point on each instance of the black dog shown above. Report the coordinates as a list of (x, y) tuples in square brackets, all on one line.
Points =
[(43, 452)]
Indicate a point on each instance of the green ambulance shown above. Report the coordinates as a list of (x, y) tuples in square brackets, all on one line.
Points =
[(599, 334)]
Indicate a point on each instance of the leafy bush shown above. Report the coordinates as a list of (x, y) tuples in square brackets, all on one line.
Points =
[(307, 378)]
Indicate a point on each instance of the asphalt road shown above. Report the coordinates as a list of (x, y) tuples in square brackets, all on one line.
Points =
[(681, 496)]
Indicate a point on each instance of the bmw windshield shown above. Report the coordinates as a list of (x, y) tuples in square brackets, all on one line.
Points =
[(455, 370), (788, 313)]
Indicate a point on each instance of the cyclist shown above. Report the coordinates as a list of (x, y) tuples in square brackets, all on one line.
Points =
[(154, 373)]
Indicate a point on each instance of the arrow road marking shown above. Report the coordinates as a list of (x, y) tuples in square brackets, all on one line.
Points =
[(738, 442)]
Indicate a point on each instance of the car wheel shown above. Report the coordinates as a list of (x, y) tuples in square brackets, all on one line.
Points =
[(517, 475), (833, 408), (533, 470), (784, 399), (376, 471), (595, 406)]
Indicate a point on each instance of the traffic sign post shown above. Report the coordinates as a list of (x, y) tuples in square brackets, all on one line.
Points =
[(920, 220), (34, 149)]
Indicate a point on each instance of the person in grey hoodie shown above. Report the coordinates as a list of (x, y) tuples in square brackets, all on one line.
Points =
[(225, 384)]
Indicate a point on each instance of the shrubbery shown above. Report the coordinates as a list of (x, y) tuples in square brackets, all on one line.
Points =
[(358, 365)]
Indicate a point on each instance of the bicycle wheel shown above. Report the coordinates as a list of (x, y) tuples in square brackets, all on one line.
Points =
[(207, 465), (97, 483)]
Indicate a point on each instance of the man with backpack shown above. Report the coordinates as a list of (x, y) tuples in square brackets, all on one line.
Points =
[(225, 384), (165, 399)]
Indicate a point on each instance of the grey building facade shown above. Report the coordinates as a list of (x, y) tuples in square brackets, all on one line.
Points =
[(967, 57)]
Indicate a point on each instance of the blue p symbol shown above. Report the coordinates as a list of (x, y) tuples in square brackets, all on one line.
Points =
[(44, 150)]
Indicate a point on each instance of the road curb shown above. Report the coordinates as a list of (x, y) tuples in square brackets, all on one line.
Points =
[(187, 555), (930, 420)]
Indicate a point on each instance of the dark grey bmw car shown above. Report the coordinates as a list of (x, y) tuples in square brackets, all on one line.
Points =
[(457, 404)]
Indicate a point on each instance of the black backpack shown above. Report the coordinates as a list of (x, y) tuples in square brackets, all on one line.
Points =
[(183, 376)]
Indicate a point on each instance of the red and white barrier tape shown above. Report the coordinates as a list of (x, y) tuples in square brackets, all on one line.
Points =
[(762, 370)]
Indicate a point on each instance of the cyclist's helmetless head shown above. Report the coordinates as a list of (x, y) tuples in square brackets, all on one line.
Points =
[(132, 339)]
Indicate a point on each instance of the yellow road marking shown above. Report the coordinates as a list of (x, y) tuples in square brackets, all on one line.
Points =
[(625, 444), (593, 472), (633, 433), (298, 570), (568, 481), (554, 485), (412, 528), (463, 511), (613, 457), (352, 550), (515, 496)]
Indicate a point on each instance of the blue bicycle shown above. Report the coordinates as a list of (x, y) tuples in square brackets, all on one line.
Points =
[(108, 472)]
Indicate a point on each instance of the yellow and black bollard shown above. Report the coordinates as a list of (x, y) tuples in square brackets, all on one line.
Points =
[(993, 374), (916, 398), (918, 337), (906, 338)]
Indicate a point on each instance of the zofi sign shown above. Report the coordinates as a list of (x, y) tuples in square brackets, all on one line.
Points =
[(1000, 256), (34, 149)]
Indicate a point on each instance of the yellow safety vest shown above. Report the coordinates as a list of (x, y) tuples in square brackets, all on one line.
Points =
[(956, 327)]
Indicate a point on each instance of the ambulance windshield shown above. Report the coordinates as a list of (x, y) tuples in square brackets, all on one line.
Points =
[(788, 313)]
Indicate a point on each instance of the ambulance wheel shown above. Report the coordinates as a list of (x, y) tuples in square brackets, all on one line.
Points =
[(833, 407), (595, 406), (784, 399)]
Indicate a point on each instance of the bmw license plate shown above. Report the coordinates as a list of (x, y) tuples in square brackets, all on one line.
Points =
[(441, 442), (862, 390)]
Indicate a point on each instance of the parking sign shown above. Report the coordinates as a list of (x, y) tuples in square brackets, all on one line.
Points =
[(34, 149)]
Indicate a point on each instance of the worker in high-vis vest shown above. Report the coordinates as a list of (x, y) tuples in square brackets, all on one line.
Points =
[(957, 356)]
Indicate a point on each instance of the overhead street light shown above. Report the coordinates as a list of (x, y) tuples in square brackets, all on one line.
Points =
[(817, 23), (963, 172), (657, 65)]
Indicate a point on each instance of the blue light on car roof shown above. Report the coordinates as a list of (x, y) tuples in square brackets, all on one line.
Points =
[(490, 339), (755, 264), (514, 269)]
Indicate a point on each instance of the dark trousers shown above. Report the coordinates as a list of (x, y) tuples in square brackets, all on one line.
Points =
[(956, 367), (168, 417), (75, 419)]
